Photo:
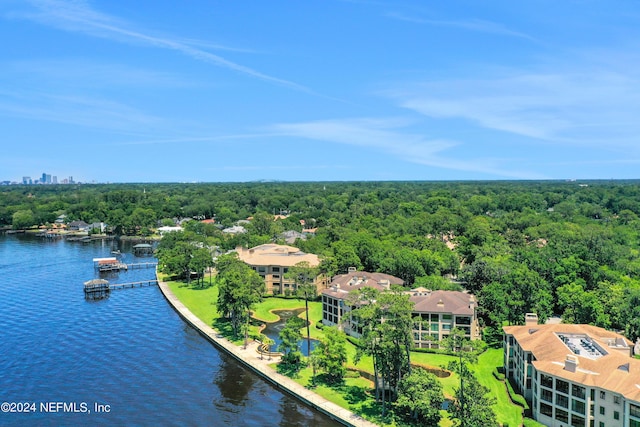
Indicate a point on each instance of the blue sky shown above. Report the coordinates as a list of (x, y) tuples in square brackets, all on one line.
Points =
[(211, 91)]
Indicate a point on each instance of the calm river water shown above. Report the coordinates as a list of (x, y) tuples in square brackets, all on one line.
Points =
[(130, 353)]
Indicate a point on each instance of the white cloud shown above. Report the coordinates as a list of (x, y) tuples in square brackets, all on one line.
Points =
[(78, 16), (76, 72), (478, 25), (585, 107), (389, 136), (86, 111)]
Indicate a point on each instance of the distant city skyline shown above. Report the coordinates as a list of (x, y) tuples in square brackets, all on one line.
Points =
[(320, 91), (44, 178)]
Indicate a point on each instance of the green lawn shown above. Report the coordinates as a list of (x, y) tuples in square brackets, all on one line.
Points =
[(353, 395), (200, 301), (263, 311), (507, 412)]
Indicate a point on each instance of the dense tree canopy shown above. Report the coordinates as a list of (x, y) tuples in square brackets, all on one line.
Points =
[(558, 248), (240, 288)]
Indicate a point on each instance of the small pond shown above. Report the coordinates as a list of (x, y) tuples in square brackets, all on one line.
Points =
[(272, 330)]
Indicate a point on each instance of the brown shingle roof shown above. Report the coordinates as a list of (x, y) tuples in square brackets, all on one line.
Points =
[(343, 284), (455, 302)]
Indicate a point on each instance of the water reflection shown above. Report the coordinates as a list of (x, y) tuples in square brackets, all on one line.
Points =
[(131, 351), (272, 330), (234, 382)]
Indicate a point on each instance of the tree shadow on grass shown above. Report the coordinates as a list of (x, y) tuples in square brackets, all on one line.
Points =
[(201, 288), (361, 400), (291, 370), (224, 328)]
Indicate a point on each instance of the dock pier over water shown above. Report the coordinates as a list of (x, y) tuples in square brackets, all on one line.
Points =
[(101, 288)]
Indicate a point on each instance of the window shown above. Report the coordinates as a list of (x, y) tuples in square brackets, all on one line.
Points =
[(616, 415), (547, 395), (435, 318), (603, 395), (275, 276), (324, 315), (546, 380), (577, 406), (577, 421), (562, 400), (562, 386), (616, 400), (602, 410), (434, 327), (634, 423), (463, 320), (546, 410), (634, 410), (446, 317), (446, 327), (275, 269), (578, 391), (562, 416)]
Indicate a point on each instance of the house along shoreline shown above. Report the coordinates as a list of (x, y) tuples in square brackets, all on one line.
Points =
[(250, 357)]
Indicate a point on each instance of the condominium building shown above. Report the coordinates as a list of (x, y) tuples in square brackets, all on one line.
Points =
[(272, 262), (441, 311), (574, 375), (436, 313), (336, 308)]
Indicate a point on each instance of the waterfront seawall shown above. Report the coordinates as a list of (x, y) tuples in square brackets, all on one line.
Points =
[(250, 358)]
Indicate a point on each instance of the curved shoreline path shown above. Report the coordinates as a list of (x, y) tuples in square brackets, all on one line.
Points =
[(250, 358)]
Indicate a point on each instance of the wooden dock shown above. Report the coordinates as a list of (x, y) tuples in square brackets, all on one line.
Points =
[(100, 288), (96, 289), (113, 264), (141, 265), (140, 284), (113, 267)]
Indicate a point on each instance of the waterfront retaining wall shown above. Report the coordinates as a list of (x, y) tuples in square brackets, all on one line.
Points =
[(250, 358)]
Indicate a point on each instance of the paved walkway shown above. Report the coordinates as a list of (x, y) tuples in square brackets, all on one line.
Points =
[(251, 358)]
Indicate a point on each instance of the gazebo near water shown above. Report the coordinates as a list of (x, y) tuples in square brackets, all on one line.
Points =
[(143, 249), (96, 289)]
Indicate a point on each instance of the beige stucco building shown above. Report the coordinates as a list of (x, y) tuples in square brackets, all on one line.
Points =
[(273, 261), (574, 375)]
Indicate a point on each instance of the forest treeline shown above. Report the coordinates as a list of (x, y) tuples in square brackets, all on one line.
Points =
[(555, 248)]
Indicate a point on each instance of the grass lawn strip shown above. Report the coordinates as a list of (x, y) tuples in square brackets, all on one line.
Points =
[(507, 412), (353, 394)]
